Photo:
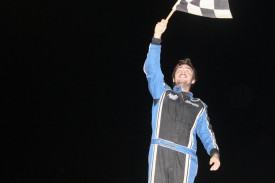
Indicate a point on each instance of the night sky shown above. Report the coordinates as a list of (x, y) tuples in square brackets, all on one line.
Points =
[(75, 106)]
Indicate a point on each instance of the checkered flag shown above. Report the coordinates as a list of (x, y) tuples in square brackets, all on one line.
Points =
[(206, 8)]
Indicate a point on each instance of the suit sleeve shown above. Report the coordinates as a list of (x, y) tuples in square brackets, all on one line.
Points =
[(206, 134), (153, 72)]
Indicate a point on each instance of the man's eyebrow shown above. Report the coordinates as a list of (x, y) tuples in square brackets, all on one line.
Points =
[(185, 68)]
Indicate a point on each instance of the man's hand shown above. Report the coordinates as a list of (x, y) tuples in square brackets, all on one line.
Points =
[(215, 162), (160, 28)]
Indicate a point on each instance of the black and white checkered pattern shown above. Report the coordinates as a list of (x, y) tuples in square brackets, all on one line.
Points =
[(206, 8)]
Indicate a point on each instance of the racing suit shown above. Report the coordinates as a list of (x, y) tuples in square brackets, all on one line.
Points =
[(177, 118)]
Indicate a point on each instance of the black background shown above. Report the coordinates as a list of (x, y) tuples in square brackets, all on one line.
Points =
[(75, 103)]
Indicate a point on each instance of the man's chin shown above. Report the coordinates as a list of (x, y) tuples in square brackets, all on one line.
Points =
[(183, 84)]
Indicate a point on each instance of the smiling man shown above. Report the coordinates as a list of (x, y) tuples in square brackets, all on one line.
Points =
[(177, 118)]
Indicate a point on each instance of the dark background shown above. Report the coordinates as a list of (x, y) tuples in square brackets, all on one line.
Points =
[(75, 103)]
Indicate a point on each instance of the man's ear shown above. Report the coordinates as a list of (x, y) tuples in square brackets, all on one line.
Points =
[(193, 81), (173, 80)]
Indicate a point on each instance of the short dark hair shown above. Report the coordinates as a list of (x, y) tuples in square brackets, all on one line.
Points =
[(188, 62)]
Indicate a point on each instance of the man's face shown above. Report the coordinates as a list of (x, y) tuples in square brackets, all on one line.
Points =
[(184, 75)]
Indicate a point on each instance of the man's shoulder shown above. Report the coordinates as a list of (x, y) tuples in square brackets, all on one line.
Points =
[(198, 100)]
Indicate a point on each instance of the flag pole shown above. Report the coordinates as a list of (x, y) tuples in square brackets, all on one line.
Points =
[(170, 14)]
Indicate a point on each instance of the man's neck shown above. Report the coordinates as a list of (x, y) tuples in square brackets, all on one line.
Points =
[(185, 88)]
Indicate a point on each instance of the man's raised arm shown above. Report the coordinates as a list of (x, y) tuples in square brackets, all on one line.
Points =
[(152, 64)]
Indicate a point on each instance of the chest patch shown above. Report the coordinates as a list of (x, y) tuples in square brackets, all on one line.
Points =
[(173, 97)]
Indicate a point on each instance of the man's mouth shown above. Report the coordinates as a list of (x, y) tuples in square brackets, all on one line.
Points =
[(182, 76)]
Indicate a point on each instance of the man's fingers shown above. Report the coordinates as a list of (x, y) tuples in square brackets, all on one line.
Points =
[(161, 26), (211, 162), (215, 162), (163, 22), (215, 167)]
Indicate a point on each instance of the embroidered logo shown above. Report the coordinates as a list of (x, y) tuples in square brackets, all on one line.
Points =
[(173, 97), (189, 102)]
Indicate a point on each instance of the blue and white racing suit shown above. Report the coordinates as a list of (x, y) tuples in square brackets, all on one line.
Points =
[(177, 118)]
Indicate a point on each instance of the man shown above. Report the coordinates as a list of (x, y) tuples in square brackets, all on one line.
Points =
[(177, 118)]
